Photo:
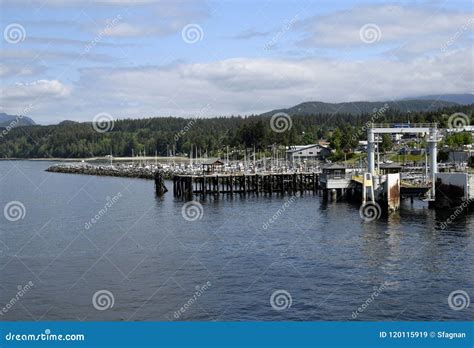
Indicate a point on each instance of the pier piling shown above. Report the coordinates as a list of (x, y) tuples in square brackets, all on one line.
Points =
[(242, 183), (160, 187)]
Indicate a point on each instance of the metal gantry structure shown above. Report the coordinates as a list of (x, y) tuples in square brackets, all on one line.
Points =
[(415, 128)]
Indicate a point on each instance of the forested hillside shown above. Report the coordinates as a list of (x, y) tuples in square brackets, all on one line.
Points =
[(164, 135)]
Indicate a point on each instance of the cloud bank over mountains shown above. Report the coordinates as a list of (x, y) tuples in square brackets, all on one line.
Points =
[(133, 59)]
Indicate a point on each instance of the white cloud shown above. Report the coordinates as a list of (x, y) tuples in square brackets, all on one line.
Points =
[(37, 89), (125, 30), (67, 3), (398, 67), (249, 34), (160, 19), (243, 86), (30, 57), (408, 26), (253, 85), (17, 70), (57, 41)]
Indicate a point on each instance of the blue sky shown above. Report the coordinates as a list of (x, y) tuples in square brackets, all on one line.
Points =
[(74, 59)]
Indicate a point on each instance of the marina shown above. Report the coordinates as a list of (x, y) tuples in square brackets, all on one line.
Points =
[(382, 184), (236, 174), (312, 247)]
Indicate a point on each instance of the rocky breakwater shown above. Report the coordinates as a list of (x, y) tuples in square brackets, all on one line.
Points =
[(127, 171)]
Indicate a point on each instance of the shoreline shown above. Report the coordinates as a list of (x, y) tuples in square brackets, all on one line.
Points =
[(92, 159), (86, 169)]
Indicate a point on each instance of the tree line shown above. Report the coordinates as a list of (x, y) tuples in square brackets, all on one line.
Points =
[(180, 136)]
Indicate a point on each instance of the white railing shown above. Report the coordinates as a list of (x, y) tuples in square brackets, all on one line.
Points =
[(346, 176), (403, 125)]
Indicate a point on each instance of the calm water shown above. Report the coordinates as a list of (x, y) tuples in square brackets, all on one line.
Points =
[(151, 259)]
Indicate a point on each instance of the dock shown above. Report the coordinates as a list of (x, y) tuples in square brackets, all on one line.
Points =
[(244, 183), (380, 184)]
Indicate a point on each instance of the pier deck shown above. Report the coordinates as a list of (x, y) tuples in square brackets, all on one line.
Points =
[(258, 183)]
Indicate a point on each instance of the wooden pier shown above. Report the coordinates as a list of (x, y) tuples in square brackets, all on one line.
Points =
[(261, 183)]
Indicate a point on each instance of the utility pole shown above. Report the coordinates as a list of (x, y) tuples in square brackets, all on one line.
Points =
[(191, 156), (254, 168)]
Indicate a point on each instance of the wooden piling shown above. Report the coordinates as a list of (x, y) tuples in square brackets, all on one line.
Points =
[(187, 185)]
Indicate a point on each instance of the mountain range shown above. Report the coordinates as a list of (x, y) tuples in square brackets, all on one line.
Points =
[(416, 104), (361, 107), (463, 99), (14, 121)]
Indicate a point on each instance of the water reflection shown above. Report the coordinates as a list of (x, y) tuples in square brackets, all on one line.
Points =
[(151, 258)]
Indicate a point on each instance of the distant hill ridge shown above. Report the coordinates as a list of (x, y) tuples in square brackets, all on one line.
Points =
[(412, 104), (15, 121), (362, 107), (463, 99)]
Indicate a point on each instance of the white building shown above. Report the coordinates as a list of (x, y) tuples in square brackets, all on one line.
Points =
[(307, 152)]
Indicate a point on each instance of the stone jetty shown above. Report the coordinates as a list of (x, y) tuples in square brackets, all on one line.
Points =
[(127, 171)]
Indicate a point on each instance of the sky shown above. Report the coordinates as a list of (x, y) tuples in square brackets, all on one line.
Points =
[(72, 60)]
